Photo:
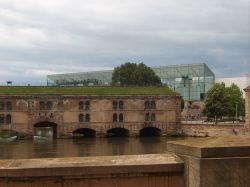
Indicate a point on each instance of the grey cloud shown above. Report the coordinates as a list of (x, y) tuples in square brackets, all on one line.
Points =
[(37, 37)]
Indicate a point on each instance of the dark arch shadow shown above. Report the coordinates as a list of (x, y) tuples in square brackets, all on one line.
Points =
[(118, 132), (84, 132), (150, 131), (44, 125)]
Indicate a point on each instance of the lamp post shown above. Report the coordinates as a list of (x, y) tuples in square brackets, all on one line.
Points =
[(236, 111)]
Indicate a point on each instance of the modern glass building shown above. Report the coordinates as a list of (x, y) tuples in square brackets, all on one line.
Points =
[(191, 80)]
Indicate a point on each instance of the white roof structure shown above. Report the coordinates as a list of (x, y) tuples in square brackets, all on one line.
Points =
[(242, 82)]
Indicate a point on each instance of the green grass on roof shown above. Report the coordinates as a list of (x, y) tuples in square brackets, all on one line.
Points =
[(84, 90)]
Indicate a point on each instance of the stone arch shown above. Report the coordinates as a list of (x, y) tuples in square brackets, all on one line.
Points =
[(118, 132), (84, 132), (45, 124), (150, 131)]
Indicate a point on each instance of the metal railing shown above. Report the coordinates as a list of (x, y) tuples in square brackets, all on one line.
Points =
[(212, 122)]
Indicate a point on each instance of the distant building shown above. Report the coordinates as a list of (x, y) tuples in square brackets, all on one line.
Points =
[(242, 82), (191, 80)]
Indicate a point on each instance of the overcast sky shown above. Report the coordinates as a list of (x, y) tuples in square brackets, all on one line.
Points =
[(40, 37)]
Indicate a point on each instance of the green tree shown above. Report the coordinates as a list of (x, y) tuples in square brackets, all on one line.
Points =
[(132, 74), (235, 101), (221, 101), (216, 102)]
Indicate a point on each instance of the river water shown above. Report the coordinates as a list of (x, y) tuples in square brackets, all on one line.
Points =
[(83, 147)]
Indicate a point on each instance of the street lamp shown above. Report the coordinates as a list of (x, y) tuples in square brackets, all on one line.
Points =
[(236, 111)]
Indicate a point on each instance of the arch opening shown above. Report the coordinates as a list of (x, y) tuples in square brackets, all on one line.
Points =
[(118, 132), (150, 131), (84, 132), (45, 129)]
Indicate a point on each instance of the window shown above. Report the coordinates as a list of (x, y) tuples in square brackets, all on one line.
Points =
[(115, 107), (8, 119), (49, 105), (1, 119), (87, 105), (84, 118), (80, 105), (146, 104), (202, 96), (147, 118), (150, 105), (1, 105), (9, 106), (153, 117), (150, 117), (120, 105), (87, 118), (42, 105), (84, 105), (81, 118), (120, 117), (114, 117)]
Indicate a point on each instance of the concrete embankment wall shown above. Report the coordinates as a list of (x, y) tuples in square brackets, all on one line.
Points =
[(214, 130), (165, 170), (214, 161)]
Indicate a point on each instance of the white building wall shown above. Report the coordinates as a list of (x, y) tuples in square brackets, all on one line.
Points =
[(242, 82)]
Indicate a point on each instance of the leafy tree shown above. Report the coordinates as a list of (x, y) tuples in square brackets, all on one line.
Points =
[(132, 74), (221, 101), (235, 100), (216, 101)]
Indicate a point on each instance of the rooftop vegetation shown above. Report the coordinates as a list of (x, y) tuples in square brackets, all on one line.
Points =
[(84, 90)]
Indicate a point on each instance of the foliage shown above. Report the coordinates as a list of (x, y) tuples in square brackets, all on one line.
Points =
[(132, 74), (221, 101), (83, 90), (235, 96), (7, 133), (216, 101)]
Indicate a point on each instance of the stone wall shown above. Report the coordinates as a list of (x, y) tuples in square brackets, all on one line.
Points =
[(247, 108), (164, 170), (64, 113), (201, 130)]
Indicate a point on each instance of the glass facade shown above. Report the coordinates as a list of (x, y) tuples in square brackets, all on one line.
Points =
[(81, 79), (191, 80)]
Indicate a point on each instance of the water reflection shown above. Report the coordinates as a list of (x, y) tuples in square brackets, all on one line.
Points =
[(82, 147)]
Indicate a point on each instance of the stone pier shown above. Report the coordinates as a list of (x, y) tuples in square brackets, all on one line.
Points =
[(214, 161)]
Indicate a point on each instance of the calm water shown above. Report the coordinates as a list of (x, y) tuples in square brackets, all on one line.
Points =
[(82, 147)]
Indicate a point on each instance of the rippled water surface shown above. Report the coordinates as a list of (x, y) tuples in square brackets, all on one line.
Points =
[(82, 147)]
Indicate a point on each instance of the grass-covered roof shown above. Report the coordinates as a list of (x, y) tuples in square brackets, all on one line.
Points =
[(84, 90)]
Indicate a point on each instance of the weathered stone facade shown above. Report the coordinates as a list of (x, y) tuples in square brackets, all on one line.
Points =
[(201, 130), (95, 113), (247, 105)]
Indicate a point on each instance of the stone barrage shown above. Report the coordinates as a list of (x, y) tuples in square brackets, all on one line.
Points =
[(91, 114)]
